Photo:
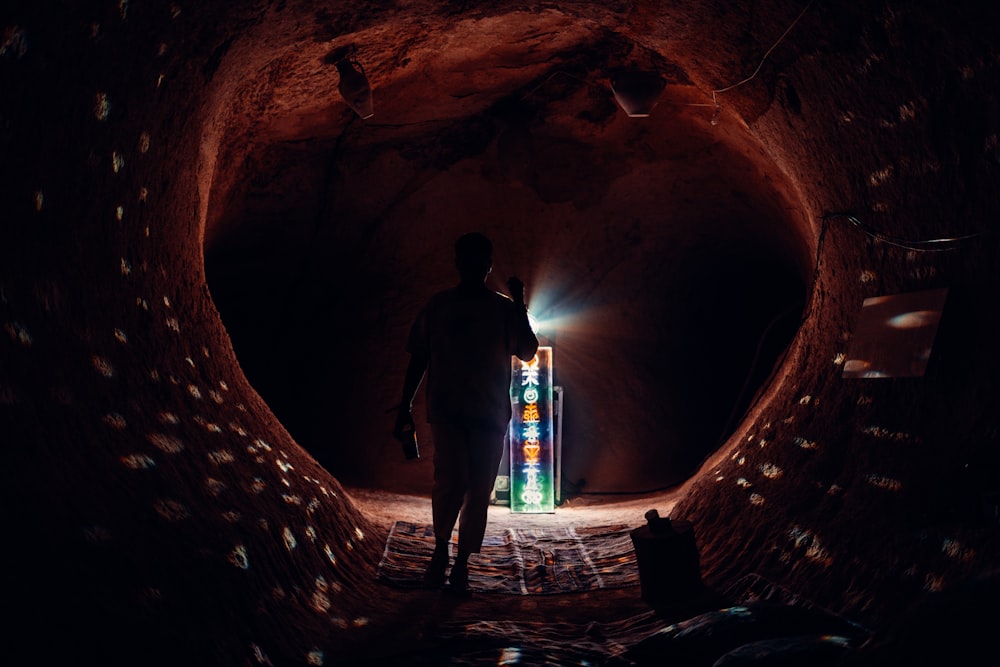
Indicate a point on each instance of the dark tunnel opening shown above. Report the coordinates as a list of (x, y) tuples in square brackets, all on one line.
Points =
[(686, 273)]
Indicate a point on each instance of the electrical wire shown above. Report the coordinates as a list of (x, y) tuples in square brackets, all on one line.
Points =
[(715, 101), (923, 245)]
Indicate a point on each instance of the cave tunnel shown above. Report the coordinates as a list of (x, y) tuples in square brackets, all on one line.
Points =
[(211, 261)]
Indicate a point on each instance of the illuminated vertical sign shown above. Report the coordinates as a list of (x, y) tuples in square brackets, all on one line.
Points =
[(532, 484)]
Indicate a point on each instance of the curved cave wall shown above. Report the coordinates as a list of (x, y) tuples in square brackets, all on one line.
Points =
[(209, 265), (657, 257)]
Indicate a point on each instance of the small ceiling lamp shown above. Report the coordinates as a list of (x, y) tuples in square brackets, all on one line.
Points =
[(354, 87), (636, 91)]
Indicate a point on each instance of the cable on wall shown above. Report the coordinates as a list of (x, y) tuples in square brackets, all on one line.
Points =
[(920, 245), (715, 92)]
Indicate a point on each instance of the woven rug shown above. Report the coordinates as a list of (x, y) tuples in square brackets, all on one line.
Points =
[(521, 561)]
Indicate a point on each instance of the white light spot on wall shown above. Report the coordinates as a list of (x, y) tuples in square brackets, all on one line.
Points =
[(257, 485), (217, 397), (166, 301), (315, 656), (223, 386), (18, 333), (190, 361), (167, 443), (320, 600), (908, 111), (169, 418), (805, 444), (175, 10), (39, 200), (214, 486), (142, 303), (117, 161), (194, 391), (885, 434), (144, 142), (867, 276), (743, 482), (934, 583), (103, 366), (954, 549), (329, 554), (143, 196), (126, 267), (805, 400), (115, 421), (138, 462), (770, 470), (756, 499), (102, 106), (159, 81), (231, 516), (284, 465), (239, 558), (173, 324), (171, 510), (221, 457), (509, 656), (289, 538), (291, 499), (880, 177), (311, 533), (361, 535), (123, 8), (839, 358), (883, 482)]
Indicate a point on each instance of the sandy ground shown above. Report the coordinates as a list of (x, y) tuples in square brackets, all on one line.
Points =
[(384, 508), (420, 615)]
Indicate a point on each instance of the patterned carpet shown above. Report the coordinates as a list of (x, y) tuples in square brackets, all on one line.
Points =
[(521, 561)]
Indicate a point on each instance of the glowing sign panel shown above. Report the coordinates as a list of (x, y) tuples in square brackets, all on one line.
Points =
[(532, 487)]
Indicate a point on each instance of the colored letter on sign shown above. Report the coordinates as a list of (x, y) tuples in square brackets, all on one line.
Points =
[(532, 484)]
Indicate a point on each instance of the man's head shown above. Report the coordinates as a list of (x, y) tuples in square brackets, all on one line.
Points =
[(473, 257)]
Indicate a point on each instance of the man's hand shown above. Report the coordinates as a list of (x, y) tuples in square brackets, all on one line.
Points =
[(516, 289)]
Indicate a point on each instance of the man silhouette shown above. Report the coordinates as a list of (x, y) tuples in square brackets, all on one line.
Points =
[(463, 340)]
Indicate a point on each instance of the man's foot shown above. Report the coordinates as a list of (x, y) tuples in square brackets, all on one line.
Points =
[(458, 580), (434, 575)]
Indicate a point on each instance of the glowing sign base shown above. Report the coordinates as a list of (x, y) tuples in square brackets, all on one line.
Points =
[(532, 454)]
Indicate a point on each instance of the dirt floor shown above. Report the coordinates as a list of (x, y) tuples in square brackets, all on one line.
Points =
[(423, 613)]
